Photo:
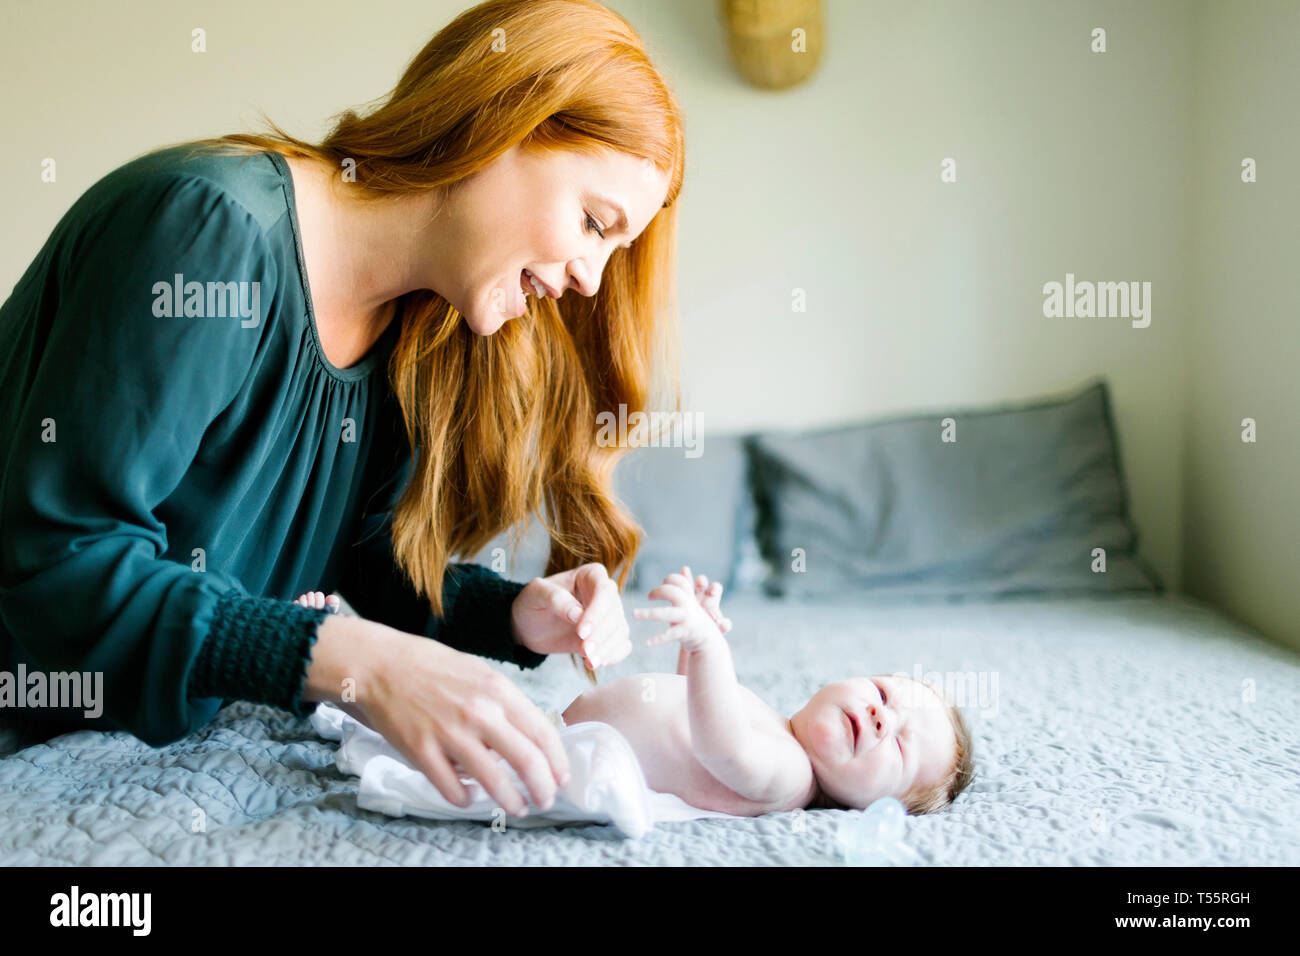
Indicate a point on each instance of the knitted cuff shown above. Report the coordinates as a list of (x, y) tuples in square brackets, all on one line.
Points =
[(480, 620), (257, 649)]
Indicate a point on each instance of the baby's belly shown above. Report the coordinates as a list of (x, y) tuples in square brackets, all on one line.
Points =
[(650, 710)]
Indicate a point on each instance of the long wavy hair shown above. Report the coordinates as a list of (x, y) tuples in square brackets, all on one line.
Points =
[(503, 427)]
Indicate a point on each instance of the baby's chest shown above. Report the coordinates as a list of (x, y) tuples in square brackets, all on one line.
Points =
[(652, 712)]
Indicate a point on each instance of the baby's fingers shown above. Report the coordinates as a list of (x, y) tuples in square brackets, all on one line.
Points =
[(672, 615), (680, 578), (669, 592), (674, 633), (712, 604)]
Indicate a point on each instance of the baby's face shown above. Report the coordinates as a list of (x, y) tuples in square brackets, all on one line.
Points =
[(873, 737)]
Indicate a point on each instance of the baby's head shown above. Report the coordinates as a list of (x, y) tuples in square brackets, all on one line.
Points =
[(885, 736)]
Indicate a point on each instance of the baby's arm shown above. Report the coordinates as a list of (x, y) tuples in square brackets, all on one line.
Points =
[(722, 734)]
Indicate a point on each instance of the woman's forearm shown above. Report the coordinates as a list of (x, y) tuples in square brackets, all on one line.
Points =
[(345, 647)]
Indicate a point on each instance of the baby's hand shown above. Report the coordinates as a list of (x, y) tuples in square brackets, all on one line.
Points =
[(319, 601), (692, 623), (710, 597)]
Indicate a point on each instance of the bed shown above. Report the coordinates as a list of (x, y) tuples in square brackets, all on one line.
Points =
[(1113, 723), (1110, 730)]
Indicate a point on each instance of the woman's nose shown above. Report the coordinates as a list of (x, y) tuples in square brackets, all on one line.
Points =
[(582, 281), (586, 272)]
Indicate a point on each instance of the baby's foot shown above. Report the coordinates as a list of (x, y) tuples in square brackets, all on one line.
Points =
[(319, 600)]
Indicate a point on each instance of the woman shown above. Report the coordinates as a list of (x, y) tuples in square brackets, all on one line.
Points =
[(253, 367)]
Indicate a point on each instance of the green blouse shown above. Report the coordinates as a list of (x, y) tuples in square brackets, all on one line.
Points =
[(180, 460)]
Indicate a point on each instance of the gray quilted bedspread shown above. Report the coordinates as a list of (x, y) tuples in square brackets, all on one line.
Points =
[(1131, 730)]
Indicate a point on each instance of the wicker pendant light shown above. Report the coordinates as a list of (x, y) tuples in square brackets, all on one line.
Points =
[(775, 44)]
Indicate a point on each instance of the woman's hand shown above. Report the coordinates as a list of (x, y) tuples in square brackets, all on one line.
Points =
[(573, 612), (445, 711)]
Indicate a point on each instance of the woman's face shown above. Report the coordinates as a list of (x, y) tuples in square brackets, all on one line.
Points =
[(546, 213)]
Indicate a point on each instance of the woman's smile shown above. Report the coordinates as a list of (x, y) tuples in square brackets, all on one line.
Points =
[(540, 288)]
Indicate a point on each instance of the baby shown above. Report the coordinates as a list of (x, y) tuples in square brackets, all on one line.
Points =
[(700, 735)]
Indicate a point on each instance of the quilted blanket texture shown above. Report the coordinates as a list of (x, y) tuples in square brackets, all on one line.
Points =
[(1121, 730)]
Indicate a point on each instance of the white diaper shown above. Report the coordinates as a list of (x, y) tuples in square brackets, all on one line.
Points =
[(606, 783)]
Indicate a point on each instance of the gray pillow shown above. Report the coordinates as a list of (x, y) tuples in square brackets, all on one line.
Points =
[(691, 509), (528, 563), (1015, 505), (752, 569), (694, 511)]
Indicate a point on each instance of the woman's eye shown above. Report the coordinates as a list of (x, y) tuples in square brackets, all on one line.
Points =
[(593, 226)]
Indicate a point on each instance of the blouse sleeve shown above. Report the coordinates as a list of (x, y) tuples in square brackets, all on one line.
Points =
[(116, 397), (476, 601)]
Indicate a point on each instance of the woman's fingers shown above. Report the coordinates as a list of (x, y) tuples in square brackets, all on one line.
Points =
[(563, 603), (484, 766), (608, 641), (616, 642), (526, 739), (603, 593), (532, 723), (431, 762), (526, 756), (488, 735), (616, 652), (602, 628), (441, 708), (594, 627)]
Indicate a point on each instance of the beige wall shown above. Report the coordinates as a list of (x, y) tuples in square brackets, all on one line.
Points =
[(1242, 518), (921, 295)]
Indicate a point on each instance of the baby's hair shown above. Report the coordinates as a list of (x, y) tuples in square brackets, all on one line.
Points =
[(939, 795)]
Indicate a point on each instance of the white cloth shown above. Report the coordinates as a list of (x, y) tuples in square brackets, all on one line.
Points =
[(606, 783)]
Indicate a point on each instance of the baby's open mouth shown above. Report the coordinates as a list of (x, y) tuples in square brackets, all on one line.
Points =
[(853, 723)]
